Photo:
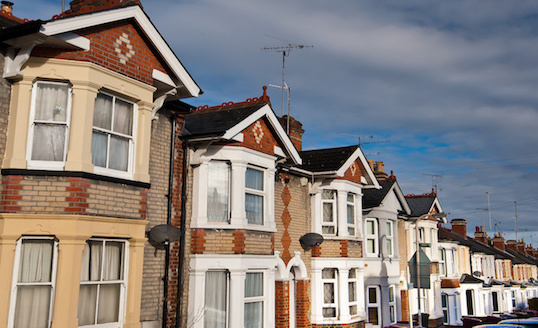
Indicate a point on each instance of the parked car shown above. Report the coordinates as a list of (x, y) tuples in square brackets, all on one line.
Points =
[(525, 322)]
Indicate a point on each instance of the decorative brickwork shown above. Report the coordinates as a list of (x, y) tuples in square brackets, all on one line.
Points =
[(286, 220), (78, 195), (404, 294), (338, 248), (110, 46), (316, 251), (11, 188), (302, 299), (353, 173), (343, 248), (239, 241), (258, 137)]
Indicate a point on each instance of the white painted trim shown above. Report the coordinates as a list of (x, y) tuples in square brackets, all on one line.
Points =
[(369, 174), (75, 40), (296, 261), (69, 24)]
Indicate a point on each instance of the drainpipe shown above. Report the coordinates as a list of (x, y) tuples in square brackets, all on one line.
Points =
[(179, 308)]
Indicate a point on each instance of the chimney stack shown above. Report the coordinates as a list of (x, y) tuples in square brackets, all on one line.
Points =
[(481, 235), (521, 246), (296, 131), (379, 167), (498, 241), (459, 226), (511, 244), (371, 164)]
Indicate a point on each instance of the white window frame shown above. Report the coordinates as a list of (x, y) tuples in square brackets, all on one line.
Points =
[(389, 235), (351, 226), (239, 158), (423, 299), (445, 308), (392, 304), (261, 193), (132, 140), (442, 262), (228, 210), (40, 164), (237, 266), (15, 283), (334, 222), (353, 278), (121, 282), (334, 282), (227, 296), (259, 298), (376, 304), (371, 237)]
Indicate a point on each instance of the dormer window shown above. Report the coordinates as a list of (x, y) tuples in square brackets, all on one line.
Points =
[(49, 125)]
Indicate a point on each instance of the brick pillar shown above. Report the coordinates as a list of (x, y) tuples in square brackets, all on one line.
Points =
[(302, 299), (405, 305), (282, 302)]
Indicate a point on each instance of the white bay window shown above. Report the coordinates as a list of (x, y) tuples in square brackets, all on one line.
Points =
[(372, 237), (254, 298), (254, 194), (49, 125), (34, 279), (218, 191)]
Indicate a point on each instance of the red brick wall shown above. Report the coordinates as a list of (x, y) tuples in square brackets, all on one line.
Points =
[(353, 173), (103, 45), (302, 298), (265, 144), (282, 302)]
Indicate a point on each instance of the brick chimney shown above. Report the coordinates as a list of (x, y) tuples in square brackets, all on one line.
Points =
[(535, 252), (481, 235), (521, 246), (459, 226), (371, 164), (498, 241), (529, 250), (511, 244), (296, 131), (7, 7)]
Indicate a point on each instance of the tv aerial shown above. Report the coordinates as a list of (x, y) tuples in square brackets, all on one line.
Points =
[(285, 50)]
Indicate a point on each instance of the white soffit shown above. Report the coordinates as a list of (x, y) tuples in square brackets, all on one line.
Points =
[(74, 23)]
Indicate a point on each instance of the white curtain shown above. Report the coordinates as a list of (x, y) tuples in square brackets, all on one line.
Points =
[(51, 105), (99, 148), (119, 153), (215, 299), (33, 301), (253, 310), (218, 191), (100, 265), (123, 117), (102, 112)]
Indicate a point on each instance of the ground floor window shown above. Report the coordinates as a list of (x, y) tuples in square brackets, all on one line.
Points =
[(470, 300), (216, 299), (495, 301), (102, 282), (445, 308), (352, 291), (254, 300), (328, 276), (392, 304), (373, 305), (34, 279)]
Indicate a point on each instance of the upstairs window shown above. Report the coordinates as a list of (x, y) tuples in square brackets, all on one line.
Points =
[(33, 283), (218, 191), (442, 261), (112, 139), (254, 196), (351, 214), (49, 124), (389, 243), (328, 200), (371, 237)]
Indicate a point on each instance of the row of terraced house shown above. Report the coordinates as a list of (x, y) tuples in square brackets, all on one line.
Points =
[(159, 214)]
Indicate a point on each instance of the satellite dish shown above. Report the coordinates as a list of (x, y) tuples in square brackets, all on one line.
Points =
[(164, 233), (311, 239)]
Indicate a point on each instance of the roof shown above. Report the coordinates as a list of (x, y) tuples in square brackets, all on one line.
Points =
[(420, 205), (60, 32), (468, 279), (474, 245), (329, 159), (523, 258), (374, 197), (227, 121)]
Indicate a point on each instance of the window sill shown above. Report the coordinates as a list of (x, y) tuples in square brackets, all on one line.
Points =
[(77, 174), (227, 226), (351, 238)]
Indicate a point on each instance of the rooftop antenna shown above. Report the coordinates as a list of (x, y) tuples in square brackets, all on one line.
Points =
[(63, 6), (285, 50), (360, 137), (434, 176), (489, 211), (288, 89), (515, 217)]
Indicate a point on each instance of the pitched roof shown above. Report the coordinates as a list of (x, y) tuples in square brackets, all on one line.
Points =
[(474, 245), (373, 197), (468, 279), (523, 258), (420, 205), (329, 159)]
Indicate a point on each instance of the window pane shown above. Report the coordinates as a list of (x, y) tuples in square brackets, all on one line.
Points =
[(350, 198), (352, 291), (352, 273), (254, 208), (109, 303), (328, 273), (48, 142), (370, 246), (32, 309), (389, 229), (91, 261), (36, 261), (99, 148), (119, 153), (391, 294), (215, 299), (370, 227), (102, 112), (123, 117), (254, 284), (113, 266), (329, 312), (51, 102), (353, 310), (327, 194), (328, 212), (87, 301), (254, 179), (351, 231), (372, 295), (328, 230), (392, 313), (350, 214), (328, 293), (373, 315), (253, 315), (218, 191), (389, 246)]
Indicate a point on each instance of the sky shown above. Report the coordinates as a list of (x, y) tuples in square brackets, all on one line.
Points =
[(443, 92)]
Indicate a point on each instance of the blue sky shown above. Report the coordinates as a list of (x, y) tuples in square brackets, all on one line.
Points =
[(447, 88)]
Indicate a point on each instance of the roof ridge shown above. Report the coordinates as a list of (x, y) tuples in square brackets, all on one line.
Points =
[(230, 105)]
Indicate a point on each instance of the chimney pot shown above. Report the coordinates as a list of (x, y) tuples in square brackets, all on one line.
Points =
[(7, 6)]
